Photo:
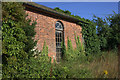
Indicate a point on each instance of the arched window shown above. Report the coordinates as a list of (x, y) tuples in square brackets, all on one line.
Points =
[(59, 36)]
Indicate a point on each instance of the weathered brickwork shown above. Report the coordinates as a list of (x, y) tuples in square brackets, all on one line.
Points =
[(45, 31)]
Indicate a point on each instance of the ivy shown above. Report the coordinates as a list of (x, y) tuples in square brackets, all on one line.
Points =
[(13, 38), (91, 40)]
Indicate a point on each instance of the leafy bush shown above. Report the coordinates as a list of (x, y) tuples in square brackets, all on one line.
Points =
[(34, 67), (15, 40), (13, 47)]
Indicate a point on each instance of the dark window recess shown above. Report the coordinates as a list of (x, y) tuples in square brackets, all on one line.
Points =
[(59, 38)]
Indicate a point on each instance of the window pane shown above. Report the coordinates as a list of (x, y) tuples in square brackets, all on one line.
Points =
[(60, 34), (58, 25), (60, 39)]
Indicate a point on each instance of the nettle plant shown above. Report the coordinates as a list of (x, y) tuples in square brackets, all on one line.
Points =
[(69, 53)]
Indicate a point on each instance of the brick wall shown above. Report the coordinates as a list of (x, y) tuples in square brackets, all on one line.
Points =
[(45, 31)]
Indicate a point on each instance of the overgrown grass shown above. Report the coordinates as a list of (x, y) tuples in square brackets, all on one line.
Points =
[(107, 61), (92, 66), (76, 64)]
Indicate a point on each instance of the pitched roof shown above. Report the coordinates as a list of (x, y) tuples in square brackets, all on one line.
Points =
[(49, 12)]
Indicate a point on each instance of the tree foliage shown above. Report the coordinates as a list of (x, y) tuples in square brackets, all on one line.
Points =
[(115, 26), (14, 10), (108, 31), (103, 31)]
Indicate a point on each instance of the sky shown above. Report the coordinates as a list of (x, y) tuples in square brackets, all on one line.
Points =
[(85, 9)]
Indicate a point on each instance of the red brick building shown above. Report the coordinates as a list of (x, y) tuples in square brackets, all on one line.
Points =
[(52, 27)]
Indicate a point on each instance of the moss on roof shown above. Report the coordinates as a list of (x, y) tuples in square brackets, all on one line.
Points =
[(44, 7), (52, 11)]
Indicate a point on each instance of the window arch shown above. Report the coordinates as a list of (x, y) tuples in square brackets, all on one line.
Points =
[(59, 25), (59, 36)]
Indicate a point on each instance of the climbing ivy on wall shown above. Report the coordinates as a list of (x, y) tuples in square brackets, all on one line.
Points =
[(91, 40)]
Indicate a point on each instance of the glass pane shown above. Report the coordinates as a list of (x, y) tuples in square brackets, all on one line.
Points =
[(57, 50), (60, 34), (58, 25), (58, 45), (57, 34), (58, 39), (57, 55)]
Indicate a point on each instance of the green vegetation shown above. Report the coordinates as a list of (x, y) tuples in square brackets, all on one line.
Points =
[(75, 64), (95, 58), (13, 40), (18, 42)]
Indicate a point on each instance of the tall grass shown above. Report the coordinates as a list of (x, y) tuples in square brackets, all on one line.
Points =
[(93, 66), (77, 65), (108, 61)]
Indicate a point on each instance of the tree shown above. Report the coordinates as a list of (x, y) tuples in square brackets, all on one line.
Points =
[(114, 24), (108, 31), (103, 32), (115, 33)]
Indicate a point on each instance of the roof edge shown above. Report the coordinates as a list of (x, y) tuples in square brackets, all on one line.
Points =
[(52, 11)]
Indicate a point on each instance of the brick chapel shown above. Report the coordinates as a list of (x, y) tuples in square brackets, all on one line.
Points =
[(52, 27)]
